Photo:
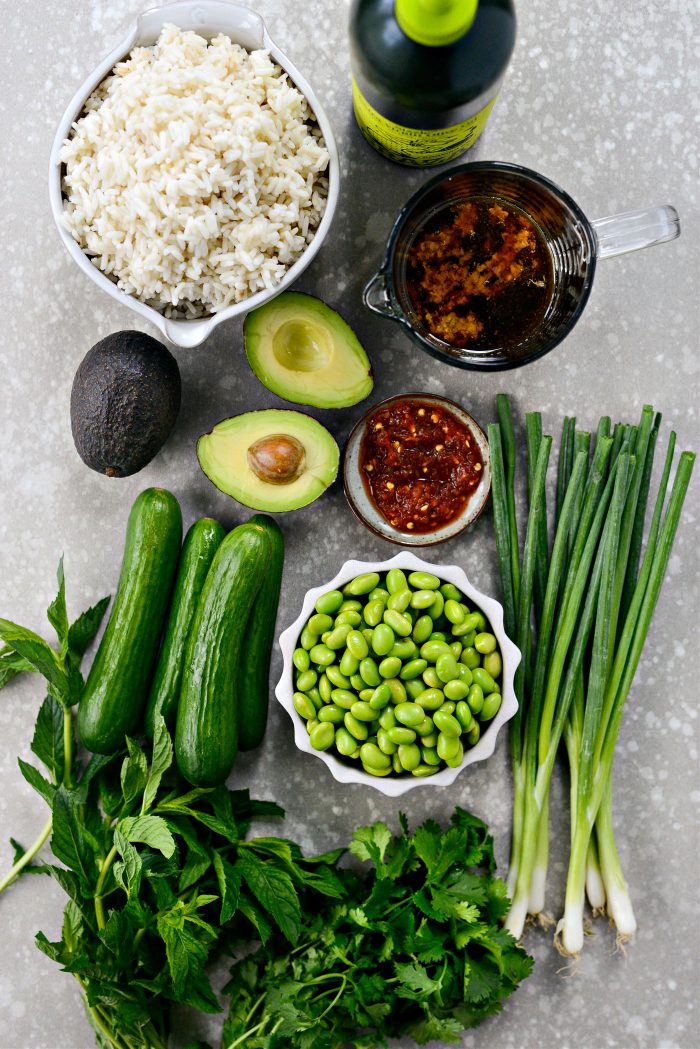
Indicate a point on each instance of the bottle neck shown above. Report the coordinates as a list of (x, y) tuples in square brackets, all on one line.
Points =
[(435, 23)]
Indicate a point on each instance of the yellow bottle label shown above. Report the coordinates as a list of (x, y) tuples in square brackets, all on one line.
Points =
[(422, 147)]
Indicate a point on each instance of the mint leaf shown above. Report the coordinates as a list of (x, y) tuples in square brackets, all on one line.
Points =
[(67, 841), (82, 632), (134, 772), (229, 879), (11, 665), (57, 613), (151, 830), (36, 651), (161, 761), (35, 779), (47, 742), (128, 870), (274, 890)]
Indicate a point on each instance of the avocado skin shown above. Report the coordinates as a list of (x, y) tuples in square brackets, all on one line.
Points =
[(124, 402)]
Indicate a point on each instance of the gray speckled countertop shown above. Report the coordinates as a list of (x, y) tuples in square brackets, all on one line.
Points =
[(600, 97)]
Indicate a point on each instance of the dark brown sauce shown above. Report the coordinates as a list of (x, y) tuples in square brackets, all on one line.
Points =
[(419, 463), (480, 275)]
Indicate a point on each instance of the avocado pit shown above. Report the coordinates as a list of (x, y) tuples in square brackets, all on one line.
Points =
[(277, 459)]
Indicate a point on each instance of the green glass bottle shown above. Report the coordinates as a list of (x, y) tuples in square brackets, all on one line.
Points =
[(425, 73)]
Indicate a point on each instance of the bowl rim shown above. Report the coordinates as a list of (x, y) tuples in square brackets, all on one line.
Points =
[(427, 538), (190, 14), (394, 786)]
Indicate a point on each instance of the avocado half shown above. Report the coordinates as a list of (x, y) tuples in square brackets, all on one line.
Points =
[(270, 460), (304, 351)]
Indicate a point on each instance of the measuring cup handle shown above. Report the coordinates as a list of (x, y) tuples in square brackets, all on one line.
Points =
[(376, 297), (618, 234)]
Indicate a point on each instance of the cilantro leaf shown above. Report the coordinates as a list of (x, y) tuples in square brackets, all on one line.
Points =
[(370, 843)]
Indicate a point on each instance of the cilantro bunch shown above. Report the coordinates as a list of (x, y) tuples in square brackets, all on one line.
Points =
[(414, 947)]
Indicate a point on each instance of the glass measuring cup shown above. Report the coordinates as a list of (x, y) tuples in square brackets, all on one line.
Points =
[(575, 244)]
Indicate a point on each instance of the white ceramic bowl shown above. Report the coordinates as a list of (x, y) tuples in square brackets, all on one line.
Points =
[(244, 27), (395, 786)]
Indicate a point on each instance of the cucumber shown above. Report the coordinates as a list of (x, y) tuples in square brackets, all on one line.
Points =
[(254, 672), (206, 735), (116, 690), (201, 543)]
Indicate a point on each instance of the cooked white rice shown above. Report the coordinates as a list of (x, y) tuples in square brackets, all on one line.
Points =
[(194, 177)]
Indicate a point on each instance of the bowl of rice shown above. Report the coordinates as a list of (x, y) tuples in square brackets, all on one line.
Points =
[(194, 174)]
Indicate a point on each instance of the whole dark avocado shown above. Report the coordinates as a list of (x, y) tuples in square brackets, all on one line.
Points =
[(124, 402)]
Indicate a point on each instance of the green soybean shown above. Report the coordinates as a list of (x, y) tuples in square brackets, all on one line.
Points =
[(363, 711), (475, 698), (450, 592), (349, 665), (301, 659), (306, 680), (380, 697), (464, 715), (348, 618), (371, 755), (337, 677), (311, 724), (446, 667), (361, 584), (447, 724), (413, 669), (384, 742), (455, 648), (422, 629), (431, 679), (409, 756), (409, 714), (357, 682), (432, 650), (398, 690), (414, 688), (400, 601), (390, 666), (491, 706), (465, 674), (423, 771), (345, 743), (322, 655), (319, 623), (343, 697), (303, 706), (437, 607), (423, 581), (324, 688), (372, 770), (471, 658), (396, 581), (422, 599), (493, 664), (332, 714), (387, 719), (322, 736), (401, 735), (438, 635), (398, 622), (453, 611), (396, 762), (483, 678), (383, 639), (315, 697), (447, 746), (373, 613), (378, 594), (431, 699), (404, 648), (357, 644), (425, 727), (456, 689), (369, 672), (329, 603), (338, 636), (350, 605), (485, 643), (308, 639), (456, 759), (430, 755), (366, 694), (471, 622), (473, 734), (429, 740), (356, 728)]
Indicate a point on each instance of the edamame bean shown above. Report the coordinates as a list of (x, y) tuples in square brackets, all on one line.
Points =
[(483, 678), (473, 734), (491, 706), (464, 715), (324, 688), (373, 613), (465, 674), (493, 664), (432, 650), (437, 607), (306, 680), (380, 697), (475, 698), (485, 643), (422, 599), (337, 678), (390, 667), (401, 735), (343, 697), (396, 762), (398, 690), (409, 756), (438, 635), (332, 714), (447, 724), (345, 743), (369, 672), (457, 758), (455, 648), (303, 706), (409, 714), (373, 771), (351, 605), (311, 724), (322, 655), (456, 689), (425, 728), (398, 622), (307, 639), (453, 611), (424, 770), (429, 740), (319, 623), (361, 584), (363, 711), (429, 755), (446, 667), (414, 688), (367, 633), (301, 659), (349, 664), (384, 743), (413, 669), (366, 694), (431, 679), (315, 697), (348, 618), (338, 636), (423, 581), (372, 756), (356, 728), (357, 682), (357, 644), (450, 592), (431, 699), (383, 639), (471, 658), (396, 581), (400, 601), (329, 603), (422, 629), (322, 736), (471, 622), (387, 719), (447, 746), (404, 648), (448, 707), (379, 594)]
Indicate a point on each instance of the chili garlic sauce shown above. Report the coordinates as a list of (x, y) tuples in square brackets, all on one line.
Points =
[(420, 464), (480, 275)]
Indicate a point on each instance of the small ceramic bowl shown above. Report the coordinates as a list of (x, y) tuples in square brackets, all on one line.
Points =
[(365, 510), (395, 786), (244, 27)]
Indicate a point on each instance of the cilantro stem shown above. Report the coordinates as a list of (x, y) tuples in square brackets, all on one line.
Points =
[(246, 1034), (104, 871), (25, 858)]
